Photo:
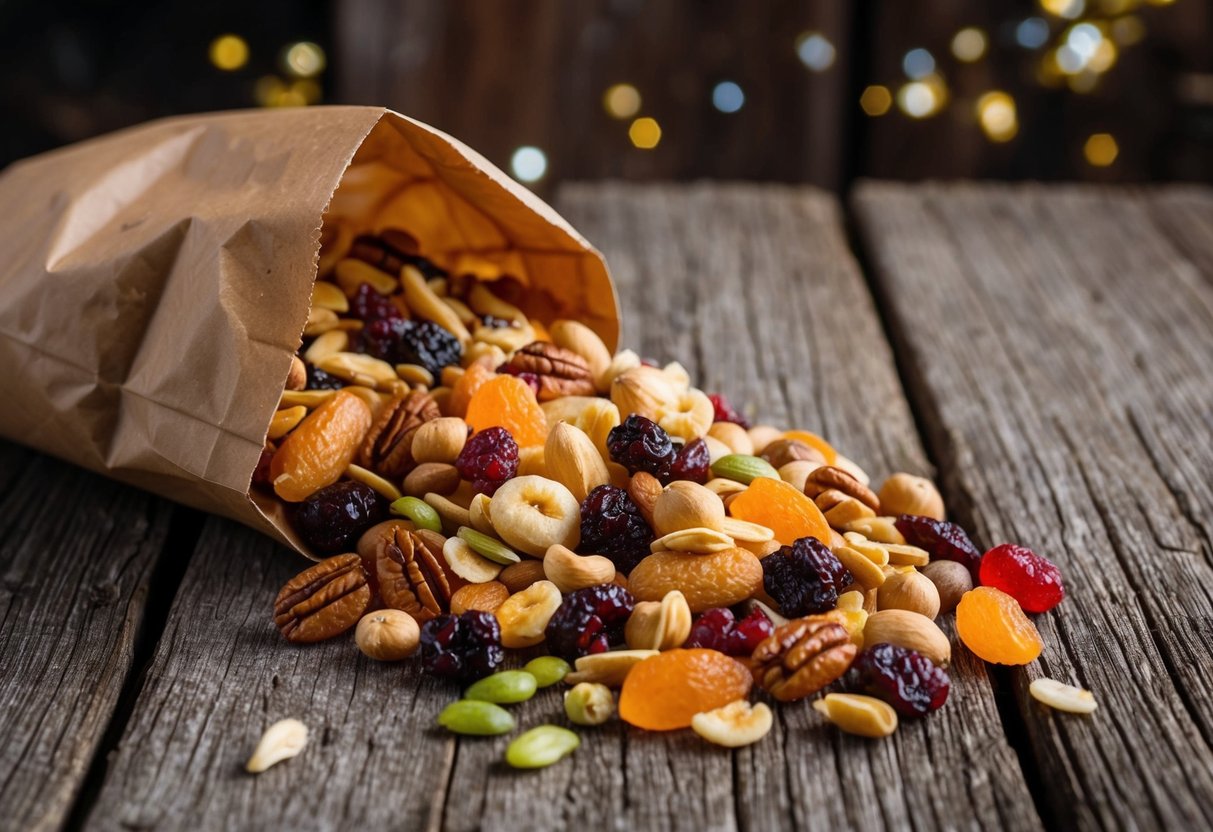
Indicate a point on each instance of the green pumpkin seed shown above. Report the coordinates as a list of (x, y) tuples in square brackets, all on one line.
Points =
[(547, 670), (743, 468), (482, 719), (419, 511), (488, 547), (541, 746), (506, 687)]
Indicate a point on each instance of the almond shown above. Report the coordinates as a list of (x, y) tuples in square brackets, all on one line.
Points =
[(644, 390), (687, 505), (571, 459), (911, 630)]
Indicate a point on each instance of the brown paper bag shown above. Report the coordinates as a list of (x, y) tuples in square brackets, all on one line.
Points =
[(155, 282)]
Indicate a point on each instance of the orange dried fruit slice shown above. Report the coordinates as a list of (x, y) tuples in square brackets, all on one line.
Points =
[(991, 624), (663, 692), (508, 402), (814, 441), (319, 450), (783, 509), (467, 385)]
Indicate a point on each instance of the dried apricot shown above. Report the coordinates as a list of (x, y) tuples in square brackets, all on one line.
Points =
[(992, 625), (663, 692), (486, 597), (720, 579), (318, 451), (467, 385), (781, 508), (508, 402), (814, 441)]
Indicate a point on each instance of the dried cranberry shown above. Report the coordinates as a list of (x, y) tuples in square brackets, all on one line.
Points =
[(612, 525), (907, 680), (461, 647), (370, 305), (1033, 581), (318, 379), (331, 520), (488, 459), (400, 341), (717, 629), (693, 462), (725, 412), (531, 379), (589, 621), (804, 578), (640, 444), (943, 540)]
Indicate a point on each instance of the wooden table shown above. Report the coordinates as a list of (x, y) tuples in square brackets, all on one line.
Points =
[(1046, 351)]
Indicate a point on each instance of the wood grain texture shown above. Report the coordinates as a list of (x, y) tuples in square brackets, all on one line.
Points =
[(1060, 346), (76, 555)]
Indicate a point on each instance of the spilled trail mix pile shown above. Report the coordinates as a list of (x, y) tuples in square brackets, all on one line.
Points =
[(480, 483)]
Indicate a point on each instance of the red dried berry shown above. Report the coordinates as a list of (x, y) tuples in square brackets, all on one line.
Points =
[(612, 525), (804, 578), (717, 629), (941, 539), (531, 379), (640, 444), (261, 474), (589, 621), (489, 458), (331, 520), (906, 679), (693, 462), (369, 305), (461, 647), (725, 412), (1033, 581)]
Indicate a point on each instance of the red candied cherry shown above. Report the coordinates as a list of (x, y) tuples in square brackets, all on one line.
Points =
[(1033, 581)]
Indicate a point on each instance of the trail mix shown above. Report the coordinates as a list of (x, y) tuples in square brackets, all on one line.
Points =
[(481, 483)]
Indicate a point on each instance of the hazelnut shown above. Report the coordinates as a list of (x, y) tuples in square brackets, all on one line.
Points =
[(911, 591), (782, 451), (296, 378), (431, 477), (908, 494), (388, 635), (687, 505), (733, 435), (440, 440), (951, 579), (796, 473), (763, 435)]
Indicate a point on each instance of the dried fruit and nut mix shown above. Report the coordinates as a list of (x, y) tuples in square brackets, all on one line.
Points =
[(484, 482)]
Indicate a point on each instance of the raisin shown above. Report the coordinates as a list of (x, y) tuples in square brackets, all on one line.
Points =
[(693, 462), (640, 444), (725, 412), (463, 647), (612, 525), (318, 379), (941, 539), (906, 679), (332, 519), (718, 629), (1033, 581), (488, 459), (589, 621), (804, 578), (400, 341)]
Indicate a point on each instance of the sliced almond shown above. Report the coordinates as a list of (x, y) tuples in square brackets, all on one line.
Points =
[(1063, 697), (700, 541)]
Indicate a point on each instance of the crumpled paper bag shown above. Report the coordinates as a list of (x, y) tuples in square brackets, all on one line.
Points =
[(156, 281)]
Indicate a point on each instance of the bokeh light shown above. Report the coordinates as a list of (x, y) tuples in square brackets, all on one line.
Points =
[(229, 52), (1069, 9), (876, 100), (621, 101), (919, 99), (997, 117), (1100, 150), (303, 60), (969, 45), (645, 133), (728, 97), (815, 51), (918, 64), (1032, 33), (529, 164)]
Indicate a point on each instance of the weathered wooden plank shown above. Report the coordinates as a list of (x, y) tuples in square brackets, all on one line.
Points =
[(76, 554), (1060, 350)]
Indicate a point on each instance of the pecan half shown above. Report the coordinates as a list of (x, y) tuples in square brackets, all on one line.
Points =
[(388, 447), (561, 372), (387, 252), (782, 451), (408, 566), (828, 477), (802, 657), (323, 601)]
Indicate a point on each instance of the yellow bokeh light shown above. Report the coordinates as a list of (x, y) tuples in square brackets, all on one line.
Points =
[(307, 89), (268, 89), (1100, 150), (621, 101), (229, 52), (304, 59), (1082, 83), (876, 100), (1068, 9), (1128, 30), (997, 117), (919, 99), (645, 133), (969, 45), (1104, 57)]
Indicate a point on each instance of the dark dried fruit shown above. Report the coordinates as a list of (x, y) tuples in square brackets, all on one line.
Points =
[(333, 518), (612, 525), (463, 647), (693, 462), (718, 629), (906, 679), (589, 621), (725, 412), (261, 474), (369, 305), (488, 459), (400, 341), (804, 578), (941, 539), (318, 379), (640, 444), (1033, 581)]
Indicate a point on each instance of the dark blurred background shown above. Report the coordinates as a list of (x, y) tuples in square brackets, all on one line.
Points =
[(822, 91)]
